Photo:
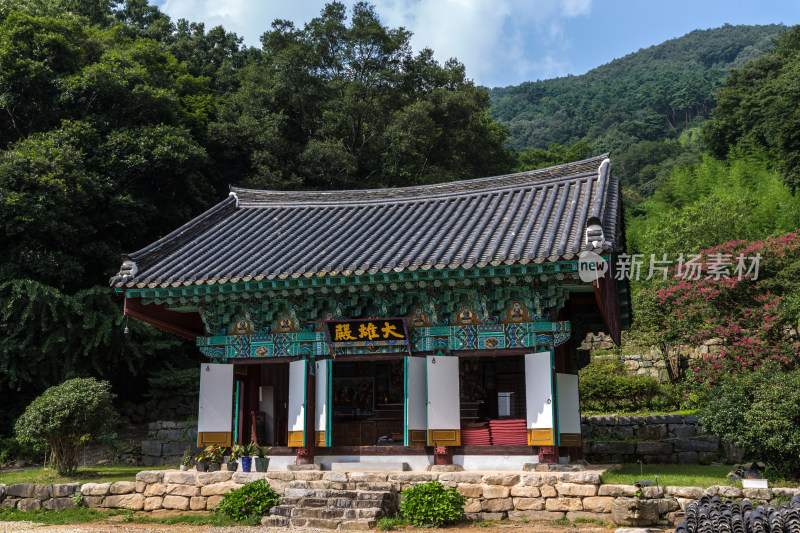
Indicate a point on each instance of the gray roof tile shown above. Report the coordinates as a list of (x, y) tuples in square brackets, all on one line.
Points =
[(534, 216)]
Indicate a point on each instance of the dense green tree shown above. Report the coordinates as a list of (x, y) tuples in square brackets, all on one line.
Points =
[(760, 412), (117, 125), (37, 56), (701, 205), (556, 154), (47, 336), (759, 106), (346, 104), (67, 417), (634, 103)]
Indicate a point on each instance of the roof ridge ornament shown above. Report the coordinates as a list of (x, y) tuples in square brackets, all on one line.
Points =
[(127, 272), (594, 237)]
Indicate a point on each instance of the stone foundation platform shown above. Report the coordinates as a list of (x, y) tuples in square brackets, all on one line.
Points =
[(490, 495)]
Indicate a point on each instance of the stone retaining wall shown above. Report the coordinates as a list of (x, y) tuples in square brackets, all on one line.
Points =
[(166, 442), (651, 439), (650, 362), (497, 495)]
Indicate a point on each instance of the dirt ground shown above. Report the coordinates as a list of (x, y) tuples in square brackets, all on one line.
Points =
[(114, 526)]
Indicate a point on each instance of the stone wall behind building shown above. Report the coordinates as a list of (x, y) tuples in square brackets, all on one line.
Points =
[(166, 442), (648, 362), (651, 439)]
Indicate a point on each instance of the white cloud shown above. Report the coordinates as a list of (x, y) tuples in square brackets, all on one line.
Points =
[(247, 18), (499, 41)]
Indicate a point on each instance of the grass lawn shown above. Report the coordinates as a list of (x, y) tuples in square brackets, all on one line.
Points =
[(66, 516), (642, 412), (84, 515), (89, 474), (676, 475), (193, 519)]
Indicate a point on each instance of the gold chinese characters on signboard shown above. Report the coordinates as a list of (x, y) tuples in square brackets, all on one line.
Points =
[(357, 332)]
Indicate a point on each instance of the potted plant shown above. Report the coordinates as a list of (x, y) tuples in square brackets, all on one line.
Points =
[(210, 458), (236, 453), (186, 461), (247, 460), (262, 461)]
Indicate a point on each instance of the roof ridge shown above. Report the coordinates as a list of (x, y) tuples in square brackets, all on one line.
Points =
[(440, 190)]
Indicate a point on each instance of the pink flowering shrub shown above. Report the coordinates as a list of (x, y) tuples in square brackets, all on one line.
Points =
[(756, 319)]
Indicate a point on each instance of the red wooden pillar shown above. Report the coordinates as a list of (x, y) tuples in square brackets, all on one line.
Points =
[(442, 455), (575, 453), (548, 454)]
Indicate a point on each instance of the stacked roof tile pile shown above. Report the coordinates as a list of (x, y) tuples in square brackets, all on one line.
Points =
[(509, 432), (711, 515)]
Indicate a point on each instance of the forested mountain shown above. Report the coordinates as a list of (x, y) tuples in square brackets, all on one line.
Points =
[(744, 186), (633, 104)]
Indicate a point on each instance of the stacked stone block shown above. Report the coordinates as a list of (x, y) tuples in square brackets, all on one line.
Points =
[(650, 362), (166, 442), (651, 439), (331, 499)]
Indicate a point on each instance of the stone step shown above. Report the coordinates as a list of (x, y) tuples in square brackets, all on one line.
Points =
[(301, 512), (333, 509), (370, 467), (312, 502), (357, 525), (315, 523), (300, 494), (282, 510), (275, 521), (369, 513)]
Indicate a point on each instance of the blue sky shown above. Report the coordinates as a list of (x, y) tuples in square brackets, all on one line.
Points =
[(506, 42)]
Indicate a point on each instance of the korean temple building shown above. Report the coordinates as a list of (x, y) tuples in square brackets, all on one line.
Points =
[(425, 325)]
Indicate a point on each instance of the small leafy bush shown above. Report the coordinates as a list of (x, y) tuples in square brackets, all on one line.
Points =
[(67, 417), (249, 502), (759, 412), (605, 384), (431, 504)]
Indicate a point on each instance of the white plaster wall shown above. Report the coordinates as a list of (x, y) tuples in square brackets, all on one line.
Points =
[(494, 462), (415, 462)]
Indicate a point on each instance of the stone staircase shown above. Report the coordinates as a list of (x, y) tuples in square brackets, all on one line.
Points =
[(332, 505)]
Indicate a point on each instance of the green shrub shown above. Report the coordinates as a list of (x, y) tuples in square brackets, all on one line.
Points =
[(759, 412), (249, 502), (12, 450), (605, 384), (387, 523), (431, 504), (66, 417)]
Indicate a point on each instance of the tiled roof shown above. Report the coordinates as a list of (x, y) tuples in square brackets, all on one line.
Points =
[(541, 215)]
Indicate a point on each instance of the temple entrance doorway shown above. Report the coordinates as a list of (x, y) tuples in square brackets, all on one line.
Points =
[(493, 401), (367, 402)]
